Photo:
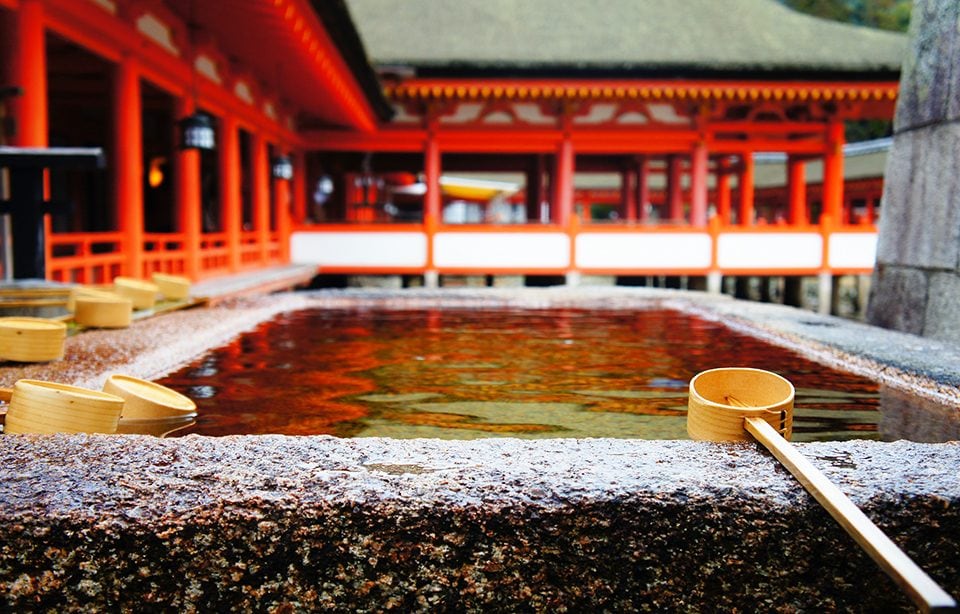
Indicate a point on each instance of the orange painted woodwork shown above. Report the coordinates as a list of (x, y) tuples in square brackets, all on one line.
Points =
[(797, 191), (128, 160), (746, 212), (187, 174), (230, 188), (28, 70)]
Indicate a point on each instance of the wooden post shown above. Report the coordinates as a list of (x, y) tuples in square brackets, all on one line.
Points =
[(628, 194), (797, 189), (28, 70), (535, 188), (299, 187), (230, 188), (564, 182), (833, 172), (746, 213), (128, 162), (674, 188), (187, 163), (724, 200), (260, 167), (432, 205), (281, 188), (698, 186), (643, 188)]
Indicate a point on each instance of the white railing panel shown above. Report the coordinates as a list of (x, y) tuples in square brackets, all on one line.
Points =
[(501, 250), (853, 250), (667, 250), (359, 249), (779, 251)]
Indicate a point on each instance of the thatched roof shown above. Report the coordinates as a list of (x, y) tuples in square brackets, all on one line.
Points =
[(620, 38)]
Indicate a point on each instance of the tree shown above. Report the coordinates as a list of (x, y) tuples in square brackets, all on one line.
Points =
[(884, 14)]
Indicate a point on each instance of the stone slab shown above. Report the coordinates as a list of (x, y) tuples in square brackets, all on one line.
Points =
[(942, 318), (920, 225), (898, 299), (930, 80), (274, 523)]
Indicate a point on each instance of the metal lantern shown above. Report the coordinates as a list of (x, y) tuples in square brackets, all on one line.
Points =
[(282, 168), (196, 132)]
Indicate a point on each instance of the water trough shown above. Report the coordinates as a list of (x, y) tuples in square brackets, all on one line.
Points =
[(294, 523)]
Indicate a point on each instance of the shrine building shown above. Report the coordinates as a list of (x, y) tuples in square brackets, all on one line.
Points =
[(421, 138)]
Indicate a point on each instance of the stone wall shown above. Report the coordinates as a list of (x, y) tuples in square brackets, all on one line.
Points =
[(281, 524), (916, 286)]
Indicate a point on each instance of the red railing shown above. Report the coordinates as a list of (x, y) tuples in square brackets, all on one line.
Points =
[(85, 258), (164, 253)]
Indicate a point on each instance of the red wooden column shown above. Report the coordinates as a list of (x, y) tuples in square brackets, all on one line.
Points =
[(746, 190), (674, 188), (643, 188), (563, 196), (128, 162), (28, 70), (432, 205), (535, 188), (299, 187), (723, 192), (797, 191), (260, 167), (229, 161), (698, 185), (281, 190), (187, 162), (628, 194), (833, 173)]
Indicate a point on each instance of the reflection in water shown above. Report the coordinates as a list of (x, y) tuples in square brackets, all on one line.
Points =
[(905, 416), (496, 373)]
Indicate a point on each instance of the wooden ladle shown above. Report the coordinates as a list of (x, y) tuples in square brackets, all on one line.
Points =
[(926, 593)]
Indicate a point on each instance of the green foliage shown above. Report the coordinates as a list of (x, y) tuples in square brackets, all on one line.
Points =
[(883, 14)]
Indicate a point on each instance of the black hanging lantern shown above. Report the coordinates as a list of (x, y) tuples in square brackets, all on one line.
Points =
[(196, 132), (282, 168)]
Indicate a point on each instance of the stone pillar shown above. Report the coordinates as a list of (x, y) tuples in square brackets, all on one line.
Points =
[(916, 283)]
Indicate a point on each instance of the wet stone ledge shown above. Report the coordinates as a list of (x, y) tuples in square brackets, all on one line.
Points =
[(273, 523)]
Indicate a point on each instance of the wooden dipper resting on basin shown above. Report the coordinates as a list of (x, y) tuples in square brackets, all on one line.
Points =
[(47, 407), (728, 403), (142, 293), (172, 287), (31, 339), (146, 400), (103, 310)]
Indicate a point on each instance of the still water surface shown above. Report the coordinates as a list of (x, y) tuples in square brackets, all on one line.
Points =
[(463, 374)]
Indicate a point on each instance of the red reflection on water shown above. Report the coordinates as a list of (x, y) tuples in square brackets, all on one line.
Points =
[(334, 371)]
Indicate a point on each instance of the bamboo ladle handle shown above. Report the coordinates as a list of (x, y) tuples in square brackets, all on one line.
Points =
[(922, 589)]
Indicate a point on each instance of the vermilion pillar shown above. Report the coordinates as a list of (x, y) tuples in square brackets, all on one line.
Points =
[(431, 169), (28, 70), (128, 162), (643, 187), (698, 185), (281, 189), (564, 182), (674, 188), (723, 192), (833, 172), (797, 191), (535, 188), (746, 190), (299, 188), (261, 196), (628, 193), (230, 187), (187, 163)]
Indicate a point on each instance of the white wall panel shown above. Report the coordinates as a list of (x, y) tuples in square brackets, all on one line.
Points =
[(769, 250), (501, 250), (853, 250), (360, 249), (643, 250)]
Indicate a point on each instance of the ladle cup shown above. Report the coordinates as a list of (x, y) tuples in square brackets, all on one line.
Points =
[(727, 404)]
